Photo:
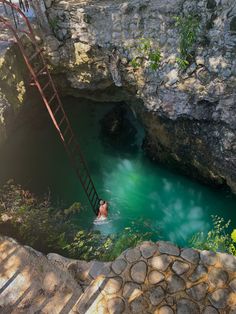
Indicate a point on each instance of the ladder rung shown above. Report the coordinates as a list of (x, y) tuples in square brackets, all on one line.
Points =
[(93, 196), (62, 120), (56, 110), (51, 99), (85, 180), (89, 188), (94, 203), (66, 130), (46, 85), (89, 185), (35, 54), (90, 192), (70, 139), (97, 200), (40, 72)]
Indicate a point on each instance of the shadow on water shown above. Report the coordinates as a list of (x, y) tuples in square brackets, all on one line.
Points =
[(142, 194)]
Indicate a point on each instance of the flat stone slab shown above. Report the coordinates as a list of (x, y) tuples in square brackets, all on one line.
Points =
[(165, 310), (210, 310), (175, 284), (190, 255), (148, 249), (155, 277), (131, 290), (168, 248), (219, 298), (99, 268), (199, 273), (228, 262), (185, 306), (139, 272), (112, 285), (180, 267), (218, 277), (139, 305), (156, 296), (133, 255), (208, 258), (198, 292), (161, 262), (119, 265), (116, 306)]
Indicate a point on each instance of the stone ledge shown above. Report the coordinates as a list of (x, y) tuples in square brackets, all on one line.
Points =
[(140, 280)]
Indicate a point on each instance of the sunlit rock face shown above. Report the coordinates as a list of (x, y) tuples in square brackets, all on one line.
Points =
[(189, 116)]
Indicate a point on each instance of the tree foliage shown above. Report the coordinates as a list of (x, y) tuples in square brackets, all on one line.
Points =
[(146, 51), (188, 27), (217, 239)]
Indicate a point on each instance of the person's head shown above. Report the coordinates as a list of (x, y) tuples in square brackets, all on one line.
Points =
[(102, 202)]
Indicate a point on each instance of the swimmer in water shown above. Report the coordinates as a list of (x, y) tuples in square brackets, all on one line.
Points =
[(103, 210)]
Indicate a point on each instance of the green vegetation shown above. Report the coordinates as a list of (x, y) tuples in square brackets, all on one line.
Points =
[(146, 51), (54, 23), (91, 245), (34, 221), (38, 223), (188, 27), (217, 239)]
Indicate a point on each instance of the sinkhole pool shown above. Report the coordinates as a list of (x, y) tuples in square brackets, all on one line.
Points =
[(142, 195)]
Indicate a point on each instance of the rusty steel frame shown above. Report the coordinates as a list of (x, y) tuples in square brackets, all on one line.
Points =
[(53, 104)]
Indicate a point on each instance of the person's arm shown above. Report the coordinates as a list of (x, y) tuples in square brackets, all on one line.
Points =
[(99, 214)]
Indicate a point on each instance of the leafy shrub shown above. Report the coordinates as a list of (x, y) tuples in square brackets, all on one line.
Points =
[(36, 222), (217, 239), (146, 51), (92, 245), (188, 27)]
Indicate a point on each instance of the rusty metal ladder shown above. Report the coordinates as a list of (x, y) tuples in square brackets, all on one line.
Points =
[(52, 102)]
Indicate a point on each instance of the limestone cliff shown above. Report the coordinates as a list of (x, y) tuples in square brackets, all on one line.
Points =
[(189, 115)]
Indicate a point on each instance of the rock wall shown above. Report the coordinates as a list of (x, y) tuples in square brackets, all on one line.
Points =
[(189, 116), (155, 278)]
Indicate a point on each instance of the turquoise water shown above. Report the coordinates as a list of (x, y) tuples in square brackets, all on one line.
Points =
[(142, 195)]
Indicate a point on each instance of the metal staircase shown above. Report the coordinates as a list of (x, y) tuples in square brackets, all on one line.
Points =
[(41, 78)]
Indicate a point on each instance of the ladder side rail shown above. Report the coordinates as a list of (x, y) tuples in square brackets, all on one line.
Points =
[(6, 22), (85, 164), (19, 11), (78, 172)]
